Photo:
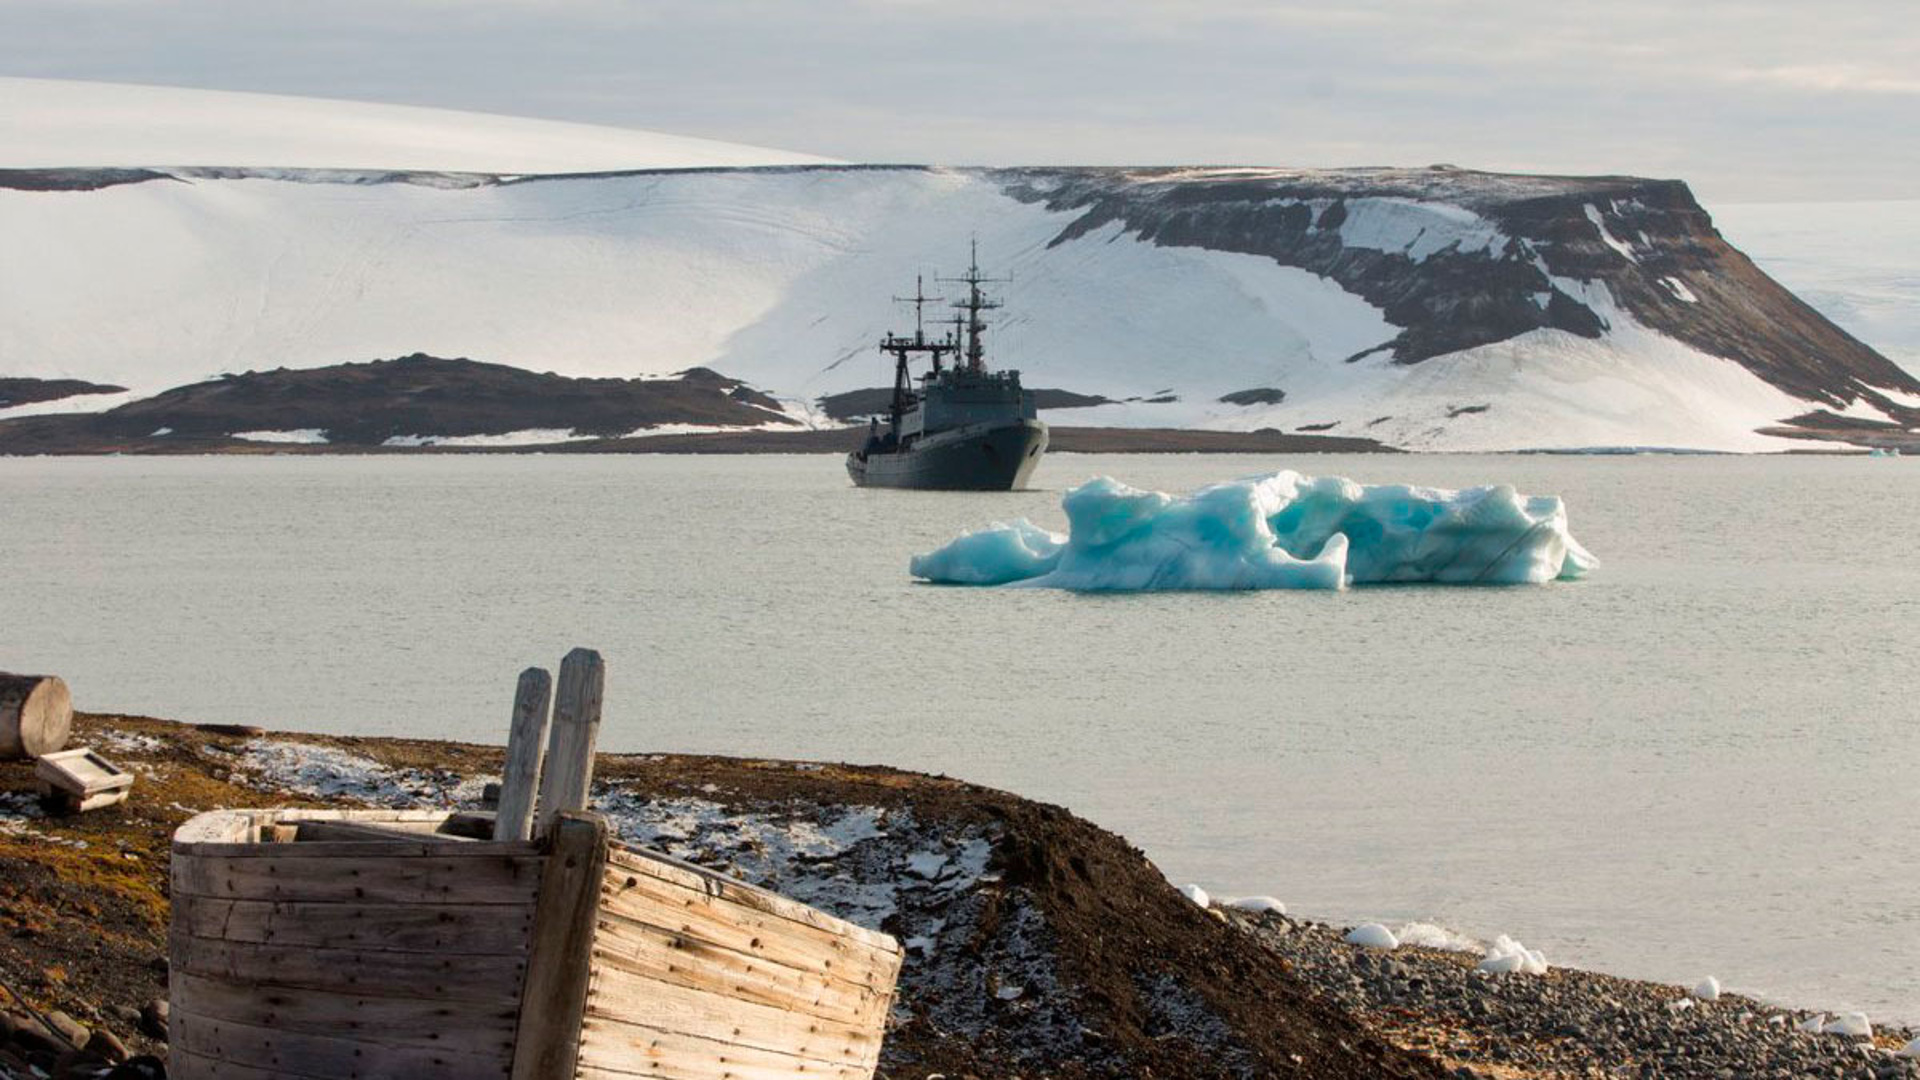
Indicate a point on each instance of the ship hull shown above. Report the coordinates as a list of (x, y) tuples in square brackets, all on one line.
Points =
[(983, 457)]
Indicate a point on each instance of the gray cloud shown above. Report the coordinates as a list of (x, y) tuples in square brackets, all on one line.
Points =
[(1749, 100)]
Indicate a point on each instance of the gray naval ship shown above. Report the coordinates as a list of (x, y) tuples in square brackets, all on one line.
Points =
[(963, 428)]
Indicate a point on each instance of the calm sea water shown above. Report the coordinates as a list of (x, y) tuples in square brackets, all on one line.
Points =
[(1702, 760)]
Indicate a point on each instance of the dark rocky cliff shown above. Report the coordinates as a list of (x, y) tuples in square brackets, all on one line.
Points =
[(1648, 241)]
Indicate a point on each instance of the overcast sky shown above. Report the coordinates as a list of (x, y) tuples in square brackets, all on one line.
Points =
[(1748, 101)]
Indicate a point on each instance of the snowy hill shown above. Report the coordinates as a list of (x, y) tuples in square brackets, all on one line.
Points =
[(1429, 308), (1857, 262), (58, 123)]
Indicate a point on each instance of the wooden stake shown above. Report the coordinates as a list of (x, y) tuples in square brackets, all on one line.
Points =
[(553, 998), (576, 727), (526, 746)]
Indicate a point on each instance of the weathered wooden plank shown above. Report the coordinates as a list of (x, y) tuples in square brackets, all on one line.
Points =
[(392, 1021), (645, 1002), (254, 833), (186, 1065), (568, 772), (718, 920), (414, 833), (474, 977), (526, 748), (666, 868), (364, 873), (288, 1053), (676, 958), (547, 1033), (489, 929), (613, 1050)]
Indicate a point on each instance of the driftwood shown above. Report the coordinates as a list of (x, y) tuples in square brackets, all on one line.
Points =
[(36, 715)]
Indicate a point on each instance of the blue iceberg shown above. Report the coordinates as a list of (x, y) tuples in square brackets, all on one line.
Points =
[(1284, 531)]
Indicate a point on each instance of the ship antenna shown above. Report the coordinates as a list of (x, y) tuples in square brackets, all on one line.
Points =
[(975, 303), (919, 301)]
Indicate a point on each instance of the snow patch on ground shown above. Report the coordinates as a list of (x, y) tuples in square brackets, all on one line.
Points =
[(1418, 229), (1679, 290), (973, 946), (297, 435), (1372, 936), (1505, 955), (326, 772), (74, 403), (127, 742), (523, 437), (1626, 251)]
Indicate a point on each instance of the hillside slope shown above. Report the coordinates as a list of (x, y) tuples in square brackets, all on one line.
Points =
[(1429, 309), (65, 123)]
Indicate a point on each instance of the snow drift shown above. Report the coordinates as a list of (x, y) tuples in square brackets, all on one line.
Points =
[(61, 123), (1284, 531)]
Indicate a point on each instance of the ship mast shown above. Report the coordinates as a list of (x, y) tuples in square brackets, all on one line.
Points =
[(975, 303), (903, 348)]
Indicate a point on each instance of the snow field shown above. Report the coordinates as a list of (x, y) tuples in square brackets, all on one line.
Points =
[(59, 123), (783, 278)]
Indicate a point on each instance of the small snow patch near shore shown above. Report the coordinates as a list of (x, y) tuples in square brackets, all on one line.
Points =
[(1372, 936), (1257, 905), (1708, 989), (1196, 894), (308, 436), (1506, 955), (326, 772), (1853, 1024)]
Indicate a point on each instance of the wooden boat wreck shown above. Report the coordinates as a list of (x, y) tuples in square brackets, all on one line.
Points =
[(326, 944)]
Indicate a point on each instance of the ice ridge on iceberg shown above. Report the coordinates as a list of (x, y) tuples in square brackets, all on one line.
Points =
[(1283, 531)]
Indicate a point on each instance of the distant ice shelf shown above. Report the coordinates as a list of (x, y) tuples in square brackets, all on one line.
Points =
[(1283, 531)]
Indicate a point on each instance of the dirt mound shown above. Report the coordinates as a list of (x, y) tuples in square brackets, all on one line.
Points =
[(1038, 944)]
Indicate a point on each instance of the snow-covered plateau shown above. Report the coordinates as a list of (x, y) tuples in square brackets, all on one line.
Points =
[(1424, 308)]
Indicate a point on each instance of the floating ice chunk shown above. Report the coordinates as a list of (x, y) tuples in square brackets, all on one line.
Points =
[(1708, 989), (1506, 955), (1283, 531), (1814, 1024), (1372, 936), (995, 555), (1257, 905), (1433, 936), (1196, 894), (1853, 1023)]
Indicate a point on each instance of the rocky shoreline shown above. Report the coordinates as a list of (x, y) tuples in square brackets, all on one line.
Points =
[(1038, 944)]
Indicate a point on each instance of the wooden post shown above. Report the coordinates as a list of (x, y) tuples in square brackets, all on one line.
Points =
[(526, 746), (576, 727), (36, 715), (553, 997)]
